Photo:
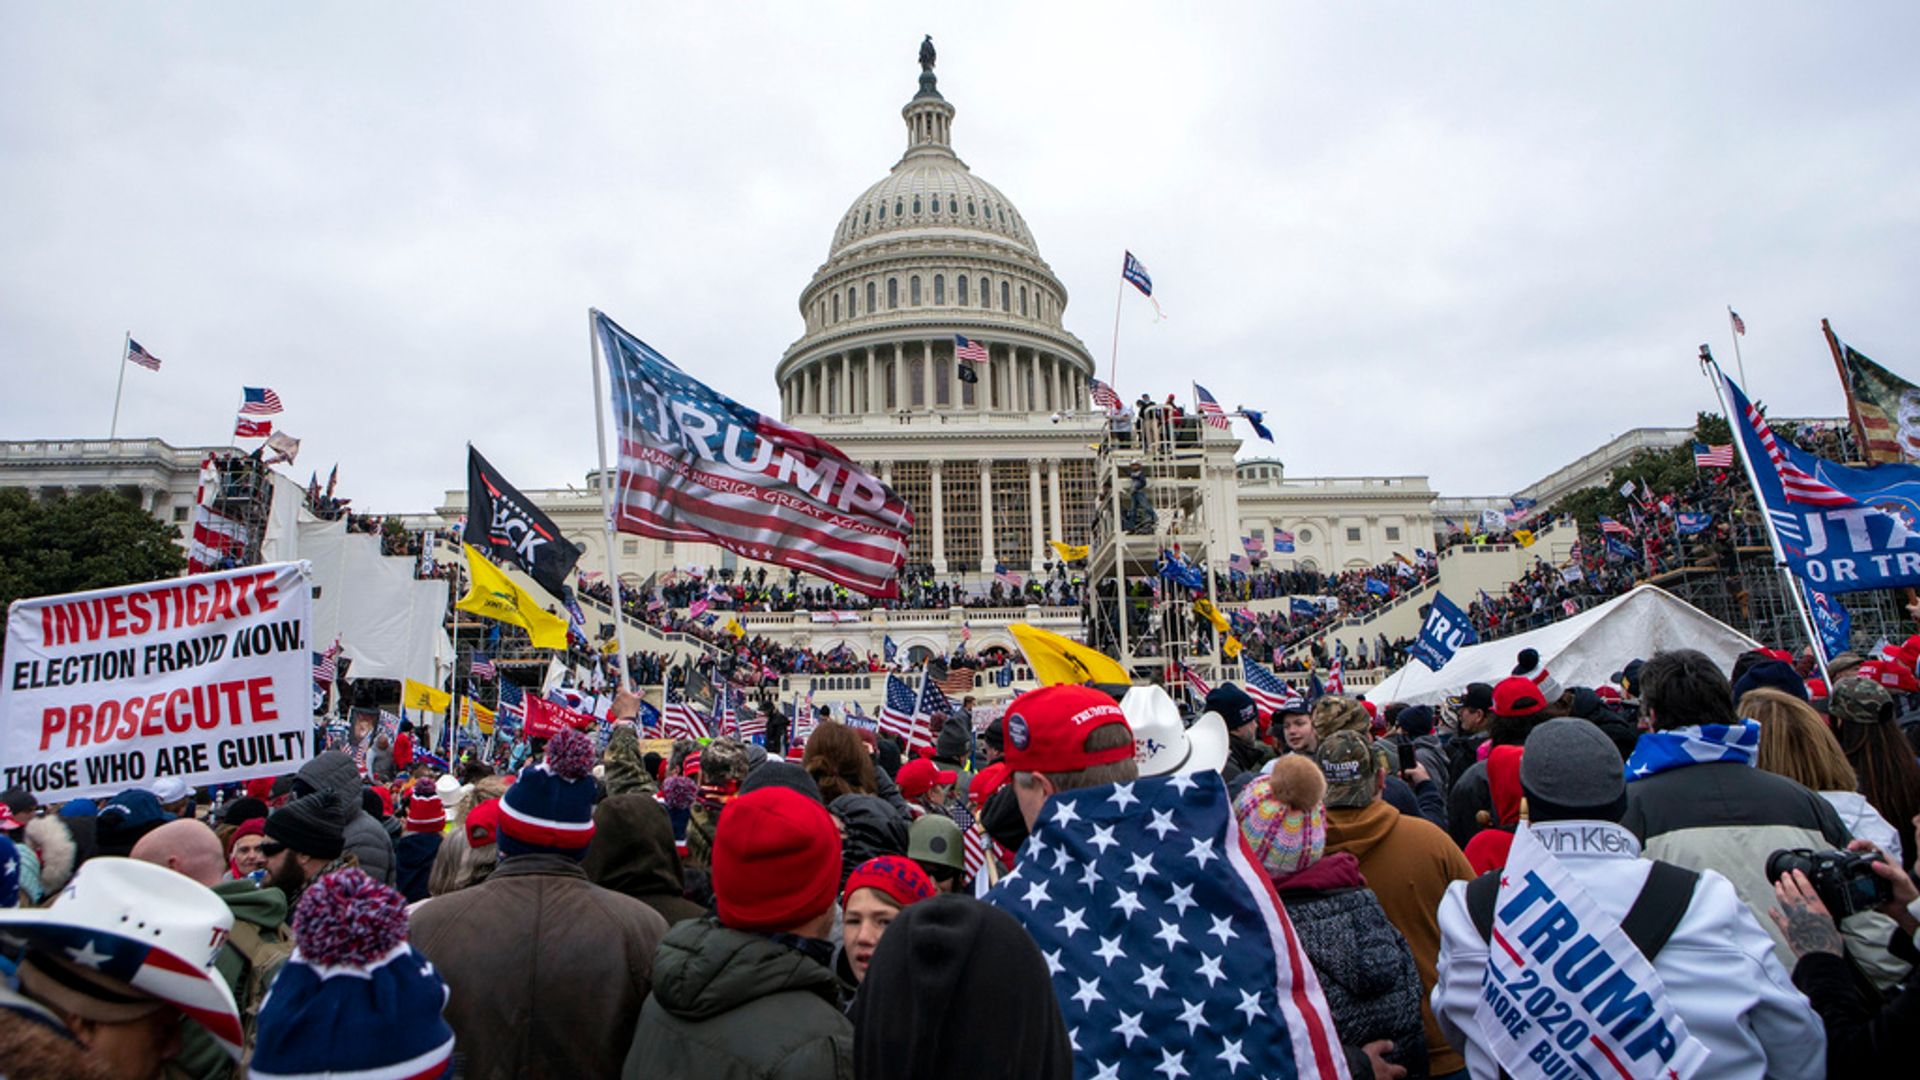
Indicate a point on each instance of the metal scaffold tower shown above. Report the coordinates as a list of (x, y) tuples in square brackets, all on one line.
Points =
[(1153, 497)]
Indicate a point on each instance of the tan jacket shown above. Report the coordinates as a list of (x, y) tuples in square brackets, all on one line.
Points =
[(546, 970)]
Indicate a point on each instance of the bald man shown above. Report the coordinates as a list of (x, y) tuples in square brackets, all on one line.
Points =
[(252, 956)]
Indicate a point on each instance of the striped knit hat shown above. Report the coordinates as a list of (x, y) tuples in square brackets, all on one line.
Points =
[(1283, 816), (549, 809), (425, 812)]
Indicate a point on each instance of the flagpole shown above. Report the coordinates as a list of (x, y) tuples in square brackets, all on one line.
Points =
[(606, 501), (113, 430), (1113, 363), (1734, 329), (1712, 369)]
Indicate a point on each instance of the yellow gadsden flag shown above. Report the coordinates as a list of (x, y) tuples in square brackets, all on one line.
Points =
[(734, 628), (1204, 608), (1524, 537), (494, 596), (1071, 552), (418, 695), (1057, 660)]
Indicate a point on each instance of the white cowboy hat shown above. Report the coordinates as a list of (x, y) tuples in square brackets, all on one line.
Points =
[(144, 926), (1162, 745)]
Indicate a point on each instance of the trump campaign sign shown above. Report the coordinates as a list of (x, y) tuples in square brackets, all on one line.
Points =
[(204, 679)]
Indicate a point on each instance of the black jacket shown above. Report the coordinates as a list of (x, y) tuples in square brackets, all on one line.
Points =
[(1864, 1036), (632, 853), (873, 829)]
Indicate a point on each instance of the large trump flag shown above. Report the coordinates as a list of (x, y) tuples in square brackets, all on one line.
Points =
[(698, 466)]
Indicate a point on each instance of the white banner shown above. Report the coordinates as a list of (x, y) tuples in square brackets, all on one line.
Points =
[(206, 679), (1567, 993)]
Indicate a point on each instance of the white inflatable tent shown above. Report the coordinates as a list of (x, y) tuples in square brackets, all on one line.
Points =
[(1584, 650)]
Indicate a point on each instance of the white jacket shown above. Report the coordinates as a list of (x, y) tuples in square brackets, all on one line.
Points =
[(1866, 823), (1718, 968)]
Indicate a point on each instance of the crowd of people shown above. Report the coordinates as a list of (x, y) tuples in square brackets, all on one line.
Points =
[(849, 906)]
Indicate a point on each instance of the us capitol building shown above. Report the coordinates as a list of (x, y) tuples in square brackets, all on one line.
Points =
[(994, 466)]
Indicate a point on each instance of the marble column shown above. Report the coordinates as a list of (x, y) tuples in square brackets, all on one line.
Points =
[(1033, 515), (846, 383), (873, 382), (1055, 516), (987, 558), (939, 523)]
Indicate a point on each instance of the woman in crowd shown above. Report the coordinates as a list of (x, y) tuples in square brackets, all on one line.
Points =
[(1364, 964), (1795, 743), (244, 856), (876, 892), (1883, 760), (837, 758)]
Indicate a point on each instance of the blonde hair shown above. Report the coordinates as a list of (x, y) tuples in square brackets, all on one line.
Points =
[(1795, 742)]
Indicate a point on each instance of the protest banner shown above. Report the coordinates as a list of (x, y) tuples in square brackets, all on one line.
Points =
[(203, 679), (545, 719)]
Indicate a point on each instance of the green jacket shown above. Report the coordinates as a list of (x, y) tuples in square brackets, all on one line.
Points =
[(264, 911), (731, 1005)]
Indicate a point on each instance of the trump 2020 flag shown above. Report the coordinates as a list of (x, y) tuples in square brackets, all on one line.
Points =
[(1170, 953), (698, 466), (1446, 629)]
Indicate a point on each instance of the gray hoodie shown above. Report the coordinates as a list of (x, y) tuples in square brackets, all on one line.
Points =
[(333, 770)]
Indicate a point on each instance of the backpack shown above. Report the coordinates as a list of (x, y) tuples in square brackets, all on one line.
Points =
[(262, 955), (1655, 914)]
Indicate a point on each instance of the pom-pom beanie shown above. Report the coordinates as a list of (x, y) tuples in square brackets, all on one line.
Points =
[(1283, 816), (425, 812), (353, 970), (549, 809), (895, 875)]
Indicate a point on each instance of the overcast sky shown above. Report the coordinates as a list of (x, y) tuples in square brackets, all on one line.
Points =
[(1470, 241)]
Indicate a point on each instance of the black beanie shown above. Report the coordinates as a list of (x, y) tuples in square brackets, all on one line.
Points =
[(242, 810), (313, 825), (782, 774), (1233, 705)]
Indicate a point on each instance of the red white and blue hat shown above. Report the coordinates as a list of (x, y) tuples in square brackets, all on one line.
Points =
[(549, 809), (142, 926), (356, 1000)]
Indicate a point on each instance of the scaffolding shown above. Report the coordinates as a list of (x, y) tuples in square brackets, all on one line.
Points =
[(1152, 496), (239, 488)]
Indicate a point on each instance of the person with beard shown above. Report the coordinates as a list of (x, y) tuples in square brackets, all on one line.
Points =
[(306, 838), (986, 975)]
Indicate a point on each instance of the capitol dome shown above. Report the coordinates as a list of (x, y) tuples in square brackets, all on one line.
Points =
[(930, 255)]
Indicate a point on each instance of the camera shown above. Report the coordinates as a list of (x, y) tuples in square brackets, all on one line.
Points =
[(1844, 880)]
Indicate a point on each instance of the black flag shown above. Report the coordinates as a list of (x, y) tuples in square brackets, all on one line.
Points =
[(967, 374), (502, 523)]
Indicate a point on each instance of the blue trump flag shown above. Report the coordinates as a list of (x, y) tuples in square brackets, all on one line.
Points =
[(1169, 951), (1447, 628), (1303, 609), (1377, 587), (1688, 524), (1839, 528), (1832, 620), (1618, 550)]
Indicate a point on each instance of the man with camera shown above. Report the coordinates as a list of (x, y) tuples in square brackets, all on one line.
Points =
[(1866, 1032)]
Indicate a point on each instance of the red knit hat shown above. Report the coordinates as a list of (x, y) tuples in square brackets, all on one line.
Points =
[(425, 812), (776, 860), (896, 875)]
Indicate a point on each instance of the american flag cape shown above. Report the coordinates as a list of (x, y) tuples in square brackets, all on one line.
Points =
[(1162, 961), (701, 467)]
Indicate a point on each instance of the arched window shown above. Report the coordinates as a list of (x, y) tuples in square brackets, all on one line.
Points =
[(893, 293), (916, 204), (913, 290), (899, 207), (871, 306), (986, 293), (934, 204), (970, 208), (836, 307), (953, 204), (939, 288), (851, 312), (867, 218), (883, 211), (1023, 299), (1006, 297), (960, 289)]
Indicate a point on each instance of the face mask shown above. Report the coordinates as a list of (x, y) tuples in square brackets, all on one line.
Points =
[(1002, 819)]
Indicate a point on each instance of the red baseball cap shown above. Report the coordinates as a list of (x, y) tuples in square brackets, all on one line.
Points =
[(920, 775), (1891, 675), (1047, 729), (987, 781), (1517, 695)]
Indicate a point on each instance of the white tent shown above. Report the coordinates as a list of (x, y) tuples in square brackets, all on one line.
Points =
[(1584, 650)]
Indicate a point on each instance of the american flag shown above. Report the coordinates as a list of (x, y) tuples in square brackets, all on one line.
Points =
[(1104, 396), (1712, 457), (480, 667), (258, 401), (1282, 541), (1007, 577), (776, 494), (513, 704), (1195, 682), (1608, 525), (1739, 324), (958, 681), (244, 428), (969, 350), (1198, 964), (141, 356), (1795, 483), (896, 715), (973, 845), (1237, 561), (1210, 409), (750, 721), (681, 720), (1337, 676), (326, 665), (1267, 690), (933, 701), (728, 719)]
